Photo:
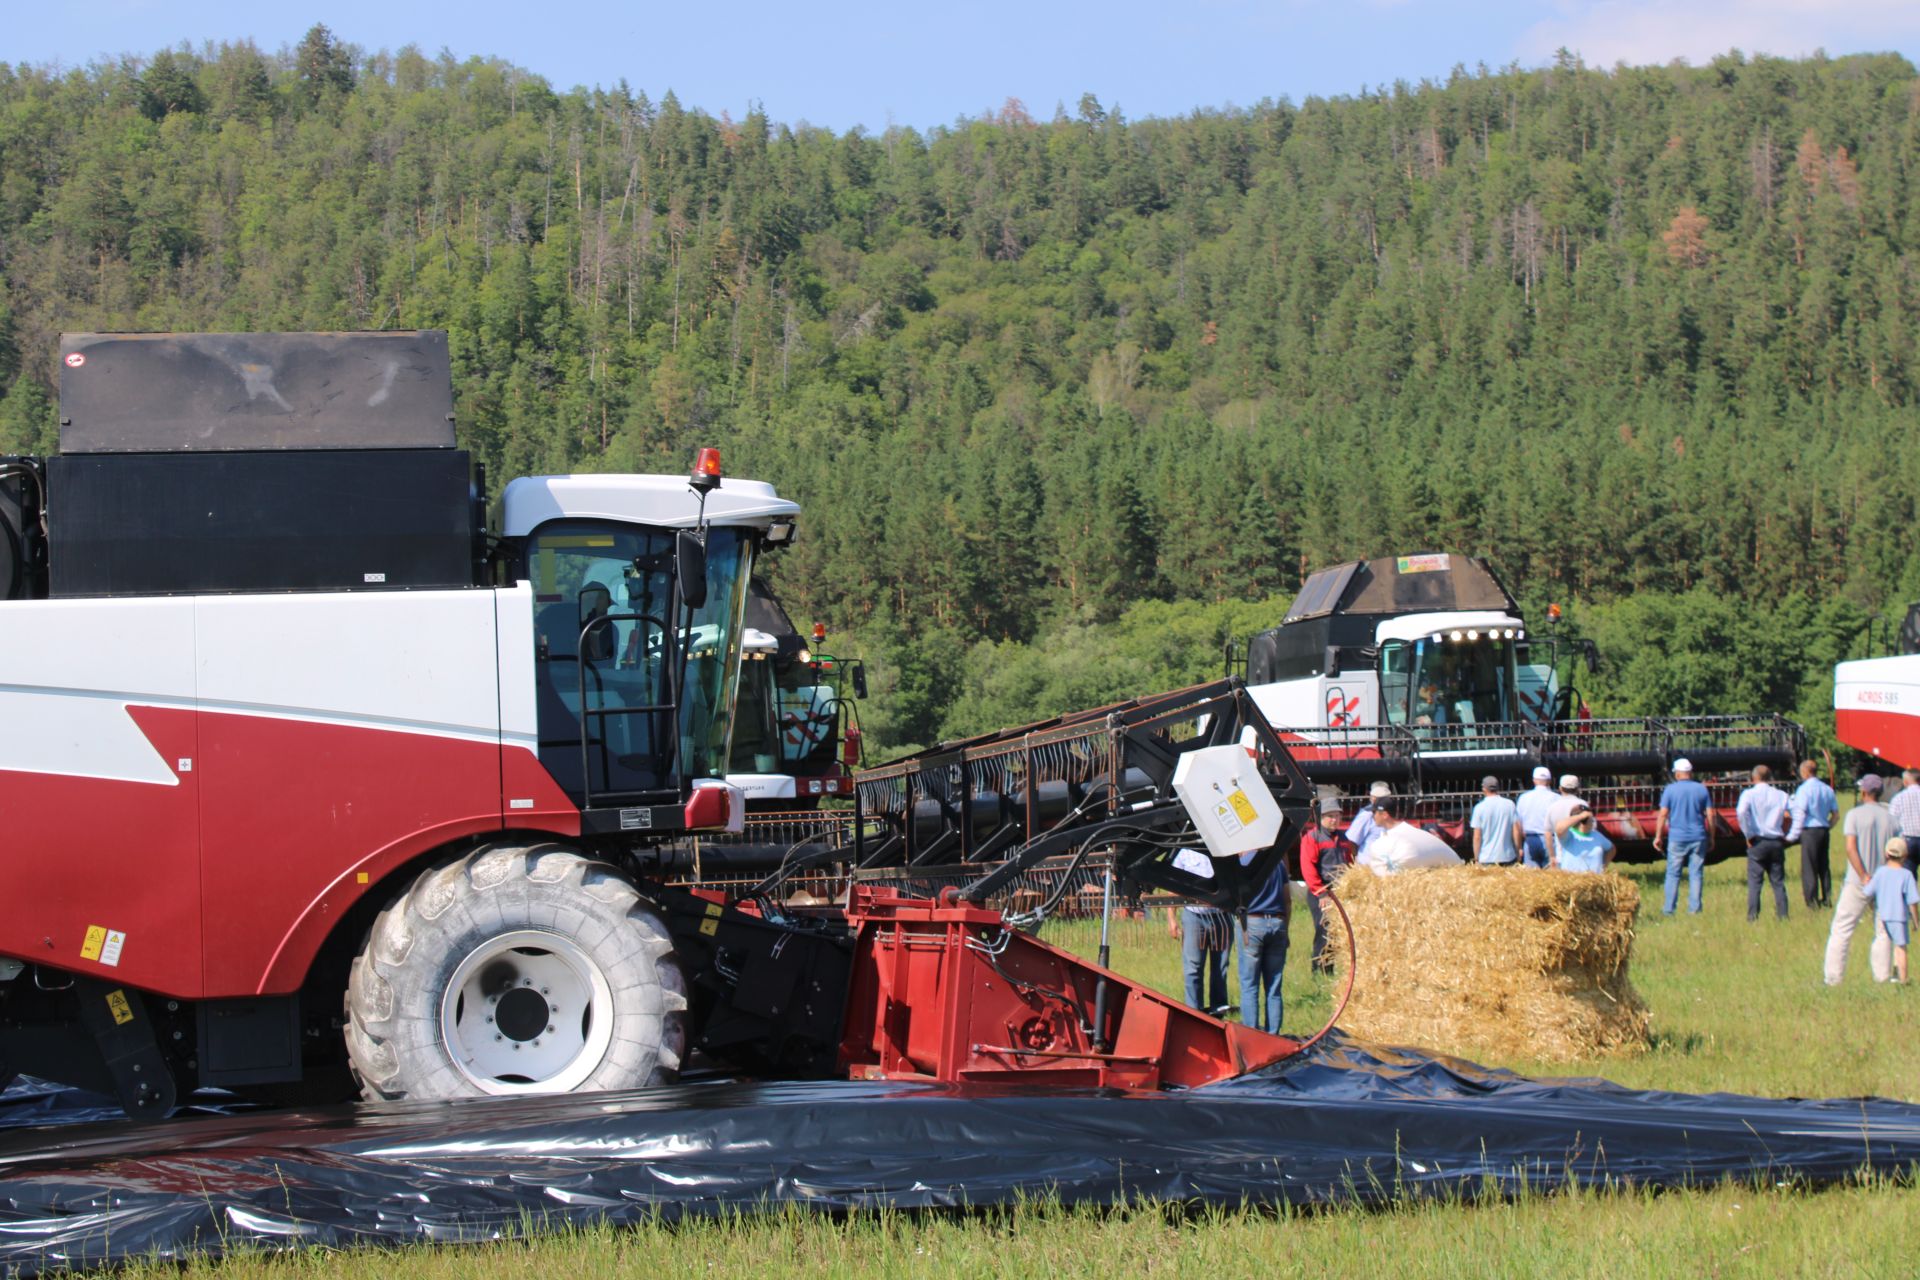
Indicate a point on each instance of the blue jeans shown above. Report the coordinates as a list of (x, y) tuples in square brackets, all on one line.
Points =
[(1691, 854), (1536, 851), (1206, 970), (1263, 958)]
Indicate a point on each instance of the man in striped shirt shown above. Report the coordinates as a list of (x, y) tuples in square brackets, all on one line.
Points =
[(1765, 817), (1905, 805)]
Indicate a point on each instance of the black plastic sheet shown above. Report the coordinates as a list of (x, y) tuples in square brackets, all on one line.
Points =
[(1349, 1123)]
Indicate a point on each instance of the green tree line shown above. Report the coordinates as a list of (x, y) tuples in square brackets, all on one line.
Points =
[(1645, 336)]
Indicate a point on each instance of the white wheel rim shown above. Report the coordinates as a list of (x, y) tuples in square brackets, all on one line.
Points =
[(527, 1012)]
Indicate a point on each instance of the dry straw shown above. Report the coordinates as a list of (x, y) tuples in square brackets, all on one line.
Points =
[(1493, 963)]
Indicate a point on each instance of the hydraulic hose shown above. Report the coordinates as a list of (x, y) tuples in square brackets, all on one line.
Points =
[(1352, 963)]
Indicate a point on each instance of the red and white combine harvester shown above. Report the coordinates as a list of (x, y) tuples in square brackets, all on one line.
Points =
[(1420, 671), (1876, 701), (308, 779)]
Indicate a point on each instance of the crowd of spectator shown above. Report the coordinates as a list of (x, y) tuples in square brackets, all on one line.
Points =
[(1548, 827)]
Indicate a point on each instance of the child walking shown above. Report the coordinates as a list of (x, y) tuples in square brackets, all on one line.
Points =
[(1896, 901)]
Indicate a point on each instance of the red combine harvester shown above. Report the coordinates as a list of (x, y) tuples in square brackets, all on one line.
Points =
[(1420, 671), (1876, 701), (309, 782)]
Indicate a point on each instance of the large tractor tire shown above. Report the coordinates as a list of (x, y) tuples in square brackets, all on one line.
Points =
[(517, 969)]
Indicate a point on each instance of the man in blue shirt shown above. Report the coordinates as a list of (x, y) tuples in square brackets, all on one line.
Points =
[(1536, 818), (1497, 835), (1813, 807), (1685, 827), (1364, 830), (1263, 950), (1765, 821)]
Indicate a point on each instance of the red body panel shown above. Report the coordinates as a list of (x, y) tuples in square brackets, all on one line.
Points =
[(227, 884), (87, 853), (1893, 736), (930, 1002)]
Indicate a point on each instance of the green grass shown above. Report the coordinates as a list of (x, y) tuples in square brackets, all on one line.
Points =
[(1736, 1007)]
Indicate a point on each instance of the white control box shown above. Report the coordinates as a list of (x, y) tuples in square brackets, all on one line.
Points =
[(1231, 806)]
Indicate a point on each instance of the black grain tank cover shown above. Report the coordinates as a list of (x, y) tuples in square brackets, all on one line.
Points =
[(1341, 607), (319, 520), (252, 392)]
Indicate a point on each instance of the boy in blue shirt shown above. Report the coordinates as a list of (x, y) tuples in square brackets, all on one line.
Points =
[(1582, 846), (1896, 901)]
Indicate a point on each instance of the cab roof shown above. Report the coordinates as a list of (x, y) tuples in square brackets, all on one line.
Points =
[(665, 501)]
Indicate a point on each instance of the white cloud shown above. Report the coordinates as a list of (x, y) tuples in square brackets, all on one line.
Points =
[(1655, 31)]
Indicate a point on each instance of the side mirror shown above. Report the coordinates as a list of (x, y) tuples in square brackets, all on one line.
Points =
[(859, 679), (690, 565)]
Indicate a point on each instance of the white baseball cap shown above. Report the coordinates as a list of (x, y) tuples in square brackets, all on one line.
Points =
[(1568, 781), (1542, 774), (1379, 789), (1683, 765)]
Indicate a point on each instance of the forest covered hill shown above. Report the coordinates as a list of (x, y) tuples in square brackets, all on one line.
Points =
[(1073, 386)]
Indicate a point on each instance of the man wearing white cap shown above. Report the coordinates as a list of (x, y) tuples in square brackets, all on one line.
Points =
[(1685, 809), (1364, 830), (1536, 818)]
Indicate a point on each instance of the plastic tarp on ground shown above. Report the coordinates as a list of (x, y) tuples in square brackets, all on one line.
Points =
[(1348, 1123)]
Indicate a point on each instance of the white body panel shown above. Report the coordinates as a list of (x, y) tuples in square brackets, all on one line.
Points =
[(421, 661), (1230, 804), (666, 501), (1418, 626), (68, 670), (764, 786), (1347, 701)]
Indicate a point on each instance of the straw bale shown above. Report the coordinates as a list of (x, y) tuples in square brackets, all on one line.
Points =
[(1492, 962)]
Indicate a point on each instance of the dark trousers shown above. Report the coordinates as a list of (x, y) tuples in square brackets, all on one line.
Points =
[(1767, 859), (1816, 871), (1332, 865)]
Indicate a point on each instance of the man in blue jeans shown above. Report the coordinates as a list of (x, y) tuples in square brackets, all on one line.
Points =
[(1263, 950), (1685, 828)]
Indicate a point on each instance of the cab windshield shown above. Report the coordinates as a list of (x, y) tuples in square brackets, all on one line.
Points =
[(1461, 682), (607, 647)]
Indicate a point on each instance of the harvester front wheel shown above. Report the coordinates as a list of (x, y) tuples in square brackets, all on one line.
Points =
[(516, 969)]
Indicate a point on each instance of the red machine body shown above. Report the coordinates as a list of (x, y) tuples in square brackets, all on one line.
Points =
[(946, 991)]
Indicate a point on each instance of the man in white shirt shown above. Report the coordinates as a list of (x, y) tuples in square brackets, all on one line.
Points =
[(1765, 815), (1564, 804), (1536, 819), (1402, 846)]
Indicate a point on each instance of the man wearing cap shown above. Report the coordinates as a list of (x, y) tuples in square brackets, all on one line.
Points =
[(1497, 833), (1364, 829), (1813, 807), (1563, 806), (1324, 857), (1868, 827), (1765, 821), (1685, 828), (1536, 819)]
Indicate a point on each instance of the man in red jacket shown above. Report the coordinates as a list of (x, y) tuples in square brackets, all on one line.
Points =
[(1324, 856)]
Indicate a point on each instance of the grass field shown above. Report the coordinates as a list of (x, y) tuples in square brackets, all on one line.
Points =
[(1736, 1007)]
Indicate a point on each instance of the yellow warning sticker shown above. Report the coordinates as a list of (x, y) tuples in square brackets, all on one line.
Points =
[(1241, 805), (121, 1010), (709, 927), (96, 939)]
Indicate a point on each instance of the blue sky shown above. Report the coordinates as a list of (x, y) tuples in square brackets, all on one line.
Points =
[(921, 64)]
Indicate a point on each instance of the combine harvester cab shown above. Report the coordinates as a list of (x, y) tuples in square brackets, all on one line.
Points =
[(796, 736), (1420, 671)]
